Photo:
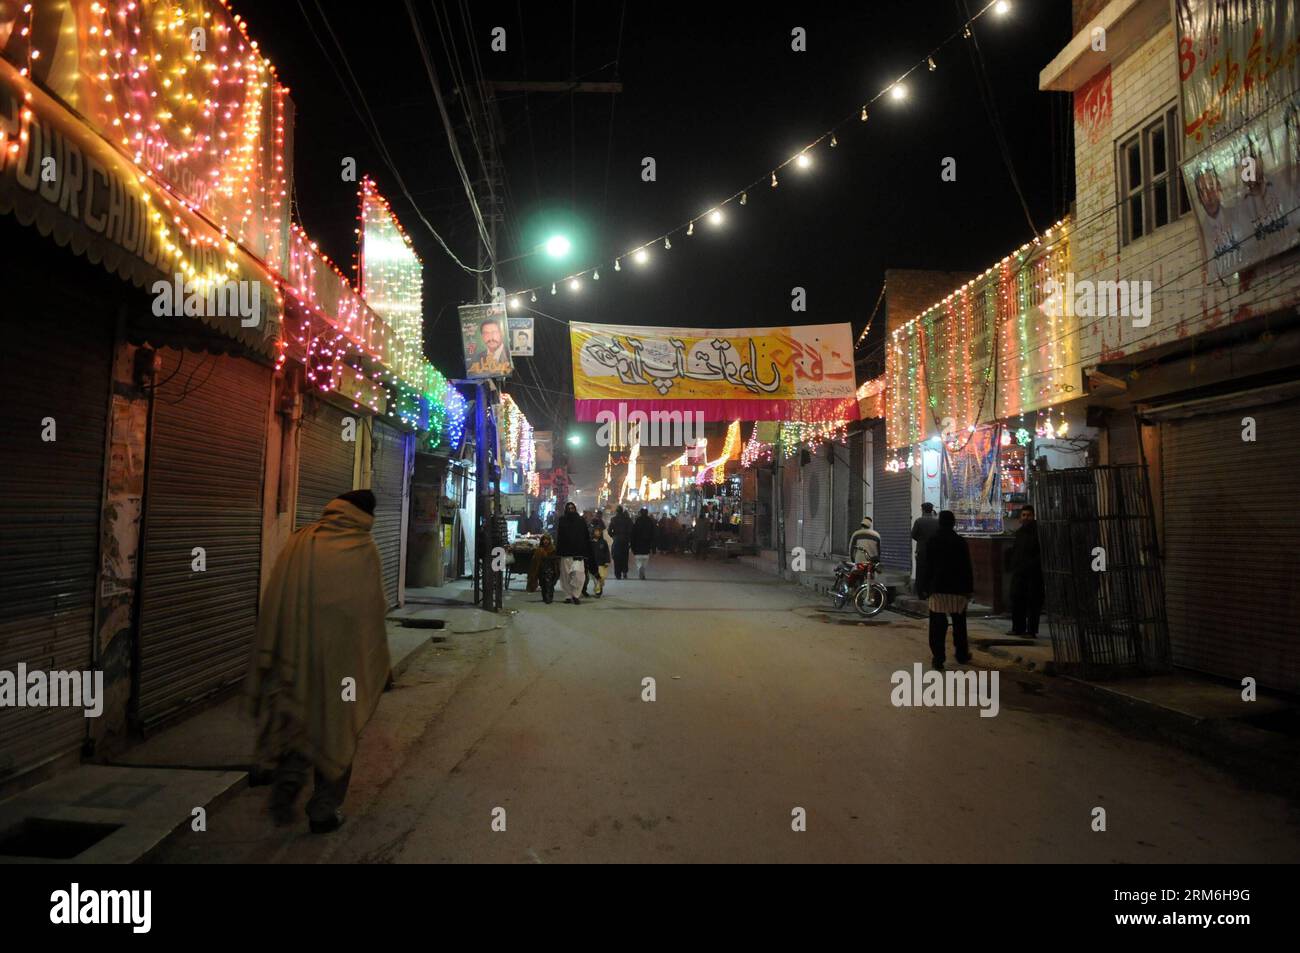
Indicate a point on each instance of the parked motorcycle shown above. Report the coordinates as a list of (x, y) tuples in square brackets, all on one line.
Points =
[(857, 581)]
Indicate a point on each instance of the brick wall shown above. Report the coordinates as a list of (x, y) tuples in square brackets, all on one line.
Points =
[(909, 291)]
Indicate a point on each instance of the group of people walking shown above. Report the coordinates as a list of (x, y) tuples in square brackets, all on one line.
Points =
[(581, 553), (945, 578)]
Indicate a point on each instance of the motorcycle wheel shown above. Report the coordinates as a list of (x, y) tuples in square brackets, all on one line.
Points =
[(839, 596), (871, 600)]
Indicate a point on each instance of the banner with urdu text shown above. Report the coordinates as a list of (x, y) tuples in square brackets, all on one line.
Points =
[(786, 373)]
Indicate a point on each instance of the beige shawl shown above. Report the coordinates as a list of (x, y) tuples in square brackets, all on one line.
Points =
[(321, 622)]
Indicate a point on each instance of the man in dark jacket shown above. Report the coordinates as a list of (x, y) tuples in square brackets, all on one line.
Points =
[(573, 544), (948, 584), (620, 529), (643, 540), (1026, 576), (923, 531)]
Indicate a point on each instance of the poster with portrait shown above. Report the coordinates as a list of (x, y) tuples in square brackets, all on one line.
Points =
[(521, 337), (483, 336), (971, 484)]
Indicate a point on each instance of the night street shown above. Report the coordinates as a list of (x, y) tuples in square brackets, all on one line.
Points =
[(763, 704)]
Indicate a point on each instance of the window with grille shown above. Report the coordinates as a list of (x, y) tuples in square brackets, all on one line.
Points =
[(1151, 189)]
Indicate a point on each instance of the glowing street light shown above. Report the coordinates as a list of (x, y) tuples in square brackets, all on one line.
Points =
[(641, 256), (716, 216), (1002, 8), (803, 160), (557, 246), (574, 440), (898, 91)]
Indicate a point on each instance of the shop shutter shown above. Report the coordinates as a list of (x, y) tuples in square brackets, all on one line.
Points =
[(206, 447), (817, 502), (389, 481), (55, 362), (325, 459), (792, 504), (857, 489), (892, 517), (1232, 543), (842, 521)]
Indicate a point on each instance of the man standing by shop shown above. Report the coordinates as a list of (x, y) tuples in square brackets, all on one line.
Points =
[(923, 530), (573, 544), (1026, 562)]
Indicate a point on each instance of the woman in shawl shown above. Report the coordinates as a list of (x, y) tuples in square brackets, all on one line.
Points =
[(542, 569)]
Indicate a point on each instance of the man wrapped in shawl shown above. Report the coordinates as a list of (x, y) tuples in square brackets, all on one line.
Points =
[(320, 660)]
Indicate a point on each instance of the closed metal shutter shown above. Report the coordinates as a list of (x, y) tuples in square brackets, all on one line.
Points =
[(892, 517), (842, 521), (389, 481), (325, 460), (857, 494), (55, 362), (206, 447), (817, 502), (1121, 435), (1232, 543)]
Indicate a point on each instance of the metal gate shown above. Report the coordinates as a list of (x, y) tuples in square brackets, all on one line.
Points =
[(207, 442), (1104, 598), (55, 363), (388, 447), (842, 524), (892, 505), (325, 460), (1232, 541)]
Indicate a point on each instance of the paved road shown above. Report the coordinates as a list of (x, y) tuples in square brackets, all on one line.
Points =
[(761, 708)]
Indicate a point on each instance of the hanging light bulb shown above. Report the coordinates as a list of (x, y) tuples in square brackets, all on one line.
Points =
[(744, 198), (667, 243), (514, 303), (834, 142), (898, 91), (803, 160), (595, 275), (574, 285), (552, 287), (929, 61), (966, 31), (690, 229), (1002, 8), (617, 266), (773, 180), (716, 216), (641, 256), (534, 296), (864, 113)]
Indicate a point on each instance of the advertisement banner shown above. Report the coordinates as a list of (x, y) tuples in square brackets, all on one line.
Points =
[(783, 373), (483, 336), (1239, 76), (542, 443), (971, 483), (521, 337)]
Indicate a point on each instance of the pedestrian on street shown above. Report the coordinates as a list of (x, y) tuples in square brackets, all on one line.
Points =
[(948, 585), (700, 535), (620, 529), (573, 543), (643, 540), (598, 561), (864, 544), (1026, 561), (320, 658), (597, 524), (543, 569), (923, 530)]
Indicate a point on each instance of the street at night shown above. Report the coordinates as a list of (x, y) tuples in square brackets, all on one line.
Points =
[(485, 433)]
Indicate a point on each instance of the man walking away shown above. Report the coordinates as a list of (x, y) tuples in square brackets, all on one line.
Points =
[(1026, 576), (948, 584), (643, 540), (923, 530), (700, 535), (573, 543), (620, 529), (320, 658), (864, 544), (598, 561)]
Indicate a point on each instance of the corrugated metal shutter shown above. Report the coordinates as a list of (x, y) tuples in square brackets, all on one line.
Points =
[(817, 502), (792, 503), (325, 460), (892, 519), (842, 523), (855, 502), (206, 447), (389, 481), (1121, 435), (55, 362), (1232, 543)]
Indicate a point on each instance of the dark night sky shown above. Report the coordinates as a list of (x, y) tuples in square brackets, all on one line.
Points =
[(714, 93)]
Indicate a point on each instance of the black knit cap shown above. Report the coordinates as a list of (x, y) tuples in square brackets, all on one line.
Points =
[(363, 500)]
